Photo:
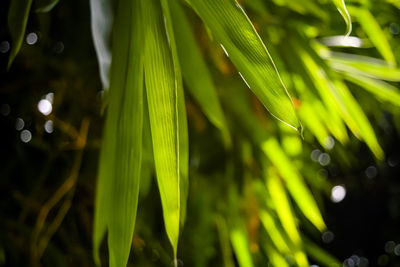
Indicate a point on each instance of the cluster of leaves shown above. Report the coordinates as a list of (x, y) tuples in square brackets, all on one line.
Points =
[(257, 197)]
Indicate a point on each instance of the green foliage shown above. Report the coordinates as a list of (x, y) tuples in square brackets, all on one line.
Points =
[(264, 189)]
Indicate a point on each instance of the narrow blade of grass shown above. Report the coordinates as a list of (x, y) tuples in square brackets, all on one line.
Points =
[(162, 96), (230, 25), (18, 14)]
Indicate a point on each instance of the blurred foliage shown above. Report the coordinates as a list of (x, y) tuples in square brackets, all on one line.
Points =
[(258, 192)]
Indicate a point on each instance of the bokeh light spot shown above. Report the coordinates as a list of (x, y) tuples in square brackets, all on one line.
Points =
[(4, 47), (48, 126), (45, 107), (19, 124), (31, 38), (26, 136), (338, 193)]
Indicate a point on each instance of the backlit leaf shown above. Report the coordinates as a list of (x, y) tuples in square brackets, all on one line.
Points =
[(195, 72), (375, 33), (341, 6), (230, 26), (294, 182), (118, 183), (162, 96), (18, 14)]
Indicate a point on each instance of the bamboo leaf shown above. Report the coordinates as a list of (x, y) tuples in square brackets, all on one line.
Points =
[(45, 5), (195, 72), (162, 96), (294, 183), (182, 120), (362, 65), (341, 7), (384, 91), (240, 245), (102, 19), (275, 258), (18, 14), (230, 25), (356, 118), (118, 185), (285, 214), (273, 232), (336, 93), (374, 32), (320, 255)]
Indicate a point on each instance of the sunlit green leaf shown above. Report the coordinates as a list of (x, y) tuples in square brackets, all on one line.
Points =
[(362, 65), (182, 120), (375, 33), (275, 258), (356, 118), (384, 91), (162, 96), (294, 182), (195, 72), (286, 215), (273, 232), (118, 183), (18, 14), (341, 6), (230, 25), (240, 245)]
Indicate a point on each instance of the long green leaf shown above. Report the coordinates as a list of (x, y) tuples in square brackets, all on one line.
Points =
[(384, 91), (273, 232), (240, 245), (375, 33), (356, 118), (294, 182), (118, 184), (341, 6), (195, 72), (285, 214), (182, 120), (45, 5), (335, 92), (162, 96), (275, 257), (362, 65), (230, 25), (320, 255), (18, 14)]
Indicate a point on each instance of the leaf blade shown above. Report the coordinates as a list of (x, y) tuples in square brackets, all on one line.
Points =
[(18, 14), (229, 23), (162, 99)]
